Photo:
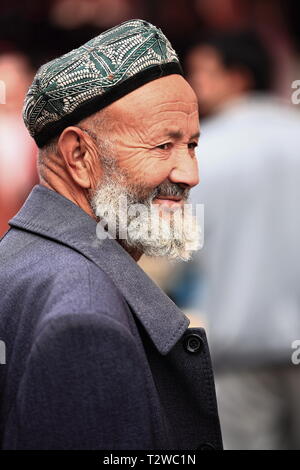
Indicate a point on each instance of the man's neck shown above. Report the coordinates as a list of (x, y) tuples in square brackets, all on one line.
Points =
[(77, 197)]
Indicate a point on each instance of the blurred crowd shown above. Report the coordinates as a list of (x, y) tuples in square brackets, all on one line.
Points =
[(241, 57)]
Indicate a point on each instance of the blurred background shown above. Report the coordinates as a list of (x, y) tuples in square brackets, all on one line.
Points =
[(241, 57)]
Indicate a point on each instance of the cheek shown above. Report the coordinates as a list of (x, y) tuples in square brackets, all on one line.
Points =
[(154, 172), (151, 171)]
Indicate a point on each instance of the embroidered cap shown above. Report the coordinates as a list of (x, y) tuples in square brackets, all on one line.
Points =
[(85, 80)]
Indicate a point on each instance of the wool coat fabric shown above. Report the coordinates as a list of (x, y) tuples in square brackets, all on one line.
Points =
[(97, 356)]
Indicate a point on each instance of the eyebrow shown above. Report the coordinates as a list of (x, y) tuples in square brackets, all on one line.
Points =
[(178, 135)]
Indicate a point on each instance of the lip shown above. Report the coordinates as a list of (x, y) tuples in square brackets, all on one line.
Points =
[(170, 201), (170, 198)]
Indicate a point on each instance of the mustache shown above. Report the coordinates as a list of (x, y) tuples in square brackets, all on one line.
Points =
[(166, 189)]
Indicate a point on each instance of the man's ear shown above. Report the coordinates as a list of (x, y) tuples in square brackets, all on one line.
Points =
[(80, 156)]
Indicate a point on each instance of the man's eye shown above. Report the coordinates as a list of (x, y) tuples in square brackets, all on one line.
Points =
[(164, 146), (192, 145)]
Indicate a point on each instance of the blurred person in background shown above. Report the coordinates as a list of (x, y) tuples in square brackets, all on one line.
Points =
[(17, 149), (249, 268), (270, 19)]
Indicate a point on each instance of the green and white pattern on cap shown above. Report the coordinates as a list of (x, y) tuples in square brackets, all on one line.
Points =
[(64, 89)]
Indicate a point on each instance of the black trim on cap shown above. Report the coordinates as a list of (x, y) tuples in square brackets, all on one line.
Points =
[(93, 105)]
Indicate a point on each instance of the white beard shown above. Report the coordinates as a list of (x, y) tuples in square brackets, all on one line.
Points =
[(145, 226), (141, 225)]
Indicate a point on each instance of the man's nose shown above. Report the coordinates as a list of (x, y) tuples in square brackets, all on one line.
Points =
[(185, 171)]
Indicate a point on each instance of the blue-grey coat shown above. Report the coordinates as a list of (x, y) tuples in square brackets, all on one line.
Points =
[(97, 356)]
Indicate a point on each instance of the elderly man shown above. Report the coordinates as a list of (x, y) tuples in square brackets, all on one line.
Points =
[(97, 357)]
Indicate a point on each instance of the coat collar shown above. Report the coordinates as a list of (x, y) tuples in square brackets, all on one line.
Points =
[(51, 215)]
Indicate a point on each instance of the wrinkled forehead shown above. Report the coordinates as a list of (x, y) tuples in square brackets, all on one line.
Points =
[(166, 95)]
